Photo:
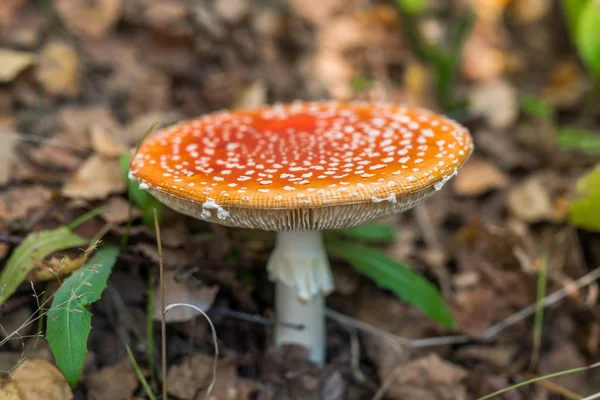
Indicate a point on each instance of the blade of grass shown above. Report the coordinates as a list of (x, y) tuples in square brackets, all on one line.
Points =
[(539, 312), (139, 374), (86, 217), (540, 378)]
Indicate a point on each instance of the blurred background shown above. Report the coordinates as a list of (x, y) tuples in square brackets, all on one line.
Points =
[(81, 81)]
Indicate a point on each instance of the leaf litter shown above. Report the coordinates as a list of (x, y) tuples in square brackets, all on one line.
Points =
[(83, 81)]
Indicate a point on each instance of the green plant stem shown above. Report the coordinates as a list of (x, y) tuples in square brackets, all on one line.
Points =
[(444, 63), (139, 374), (539, 312)]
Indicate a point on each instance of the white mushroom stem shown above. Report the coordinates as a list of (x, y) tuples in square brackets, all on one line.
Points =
[(300, 269)]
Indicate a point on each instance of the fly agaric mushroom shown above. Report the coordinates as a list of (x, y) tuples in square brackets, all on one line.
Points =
[(299, 169)]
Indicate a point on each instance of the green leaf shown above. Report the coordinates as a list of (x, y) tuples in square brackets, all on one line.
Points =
[(583, 211), (69, 321), (536, 107), (360, 83), (36, 245), (373, 233), (397, 277), (587, 38), (144, 200), (572, 10), (413, 7), (577, 139)]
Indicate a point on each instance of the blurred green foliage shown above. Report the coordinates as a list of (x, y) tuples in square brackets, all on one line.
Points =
[(583, 20), (535, 106), (144, 200), (411, 6), (584, 208), (442, 58), (579, 139)]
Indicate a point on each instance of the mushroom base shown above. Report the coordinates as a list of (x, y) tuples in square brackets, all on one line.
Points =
[(300, 269), (310, 314)]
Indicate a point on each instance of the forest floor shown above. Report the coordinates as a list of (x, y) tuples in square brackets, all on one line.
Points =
[(82, 81)]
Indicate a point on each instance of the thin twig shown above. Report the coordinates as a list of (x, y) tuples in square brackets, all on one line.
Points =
[(214, 338), (256, 319), (585, 280), (489, 333), (427, 342), (163, 322)]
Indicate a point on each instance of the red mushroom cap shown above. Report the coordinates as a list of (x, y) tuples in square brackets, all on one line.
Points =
[(302, 156)]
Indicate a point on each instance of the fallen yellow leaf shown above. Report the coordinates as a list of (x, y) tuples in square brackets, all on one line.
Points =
[(37, 379), (13, 62)]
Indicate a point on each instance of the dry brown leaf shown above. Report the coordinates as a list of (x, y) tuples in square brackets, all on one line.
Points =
[(104, 143), (9, 142), (187, 291), (96, 178), (480, 60), (172, 258), (147, 89), (114, 382), (232, 11), (9, 391), (4, 249), (565, 355), (335, 73), (51, 156), (530, 201), (478, 177), (13, 62), (499, 355), (530, 11), (93, 19), (319, 11), (252, 96), (74, 123), (18, 202), (135, 130), (475, 309), (417, 78), (56, 268), (37, 379), (430, 378), (568, 84), (488, 10), (58, 69), (195, 374), (8, 9), (117, 211), (486, 98), (170, 18)]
